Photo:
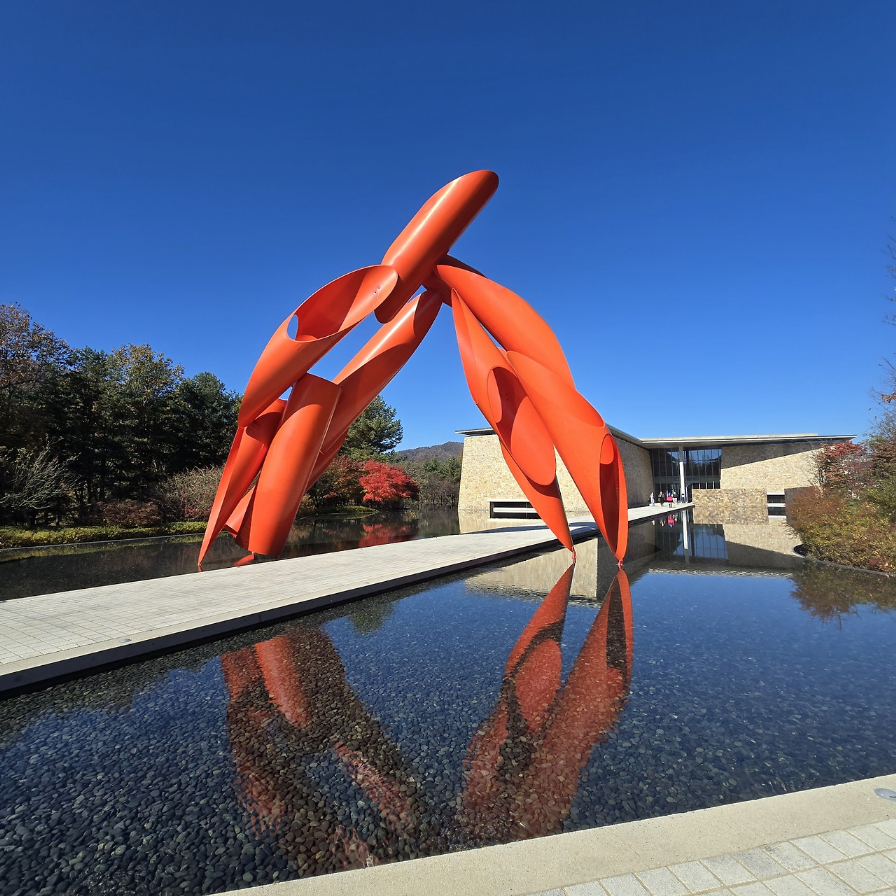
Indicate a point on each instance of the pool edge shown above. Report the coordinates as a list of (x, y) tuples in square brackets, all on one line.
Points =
[(584, 857)]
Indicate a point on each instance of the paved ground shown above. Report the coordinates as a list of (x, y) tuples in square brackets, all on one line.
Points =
[(49, 635), (832, 841)]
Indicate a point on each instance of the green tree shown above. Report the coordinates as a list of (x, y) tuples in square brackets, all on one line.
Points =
[(148, 383), (204, 422), (30, 356), (438, 481), (375, 434), (112, 415), (84, 408)]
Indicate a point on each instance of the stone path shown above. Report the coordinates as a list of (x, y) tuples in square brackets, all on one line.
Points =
[(851, 862)]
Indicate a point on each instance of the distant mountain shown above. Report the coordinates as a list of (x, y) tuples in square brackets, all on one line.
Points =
[(441, 452)]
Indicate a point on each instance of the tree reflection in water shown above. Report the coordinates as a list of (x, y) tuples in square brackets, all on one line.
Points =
[(828, 592), (316, 771)]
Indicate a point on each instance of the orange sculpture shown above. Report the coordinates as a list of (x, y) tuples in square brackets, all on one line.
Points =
[(514, 366)]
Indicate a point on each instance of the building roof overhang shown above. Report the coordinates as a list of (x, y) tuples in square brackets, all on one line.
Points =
[(721, 441), (488, 431), (702, 441)]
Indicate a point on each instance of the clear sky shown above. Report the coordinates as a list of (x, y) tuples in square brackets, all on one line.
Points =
[(695, 195)]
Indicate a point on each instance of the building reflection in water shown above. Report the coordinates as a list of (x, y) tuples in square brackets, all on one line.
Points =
[(314, 767)]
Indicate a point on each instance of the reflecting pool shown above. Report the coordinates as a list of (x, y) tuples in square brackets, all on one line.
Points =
[(519, 700), (28, 571)]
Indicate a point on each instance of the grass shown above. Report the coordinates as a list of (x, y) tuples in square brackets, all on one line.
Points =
[(20, 537)]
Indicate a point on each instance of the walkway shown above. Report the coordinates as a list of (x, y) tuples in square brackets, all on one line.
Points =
[(831, 841), (51, 635)]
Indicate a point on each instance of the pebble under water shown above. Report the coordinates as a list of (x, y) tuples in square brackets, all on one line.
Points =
[(515, 701)]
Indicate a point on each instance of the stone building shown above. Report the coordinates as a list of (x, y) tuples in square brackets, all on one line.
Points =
[(727, 477)]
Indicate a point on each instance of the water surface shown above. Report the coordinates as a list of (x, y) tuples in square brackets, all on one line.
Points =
[(28, 571), (518, 700)]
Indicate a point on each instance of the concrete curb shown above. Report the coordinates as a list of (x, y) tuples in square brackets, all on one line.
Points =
[(547, 863)]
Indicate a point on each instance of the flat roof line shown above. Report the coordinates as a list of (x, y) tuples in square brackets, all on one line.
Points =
[(655, 442)]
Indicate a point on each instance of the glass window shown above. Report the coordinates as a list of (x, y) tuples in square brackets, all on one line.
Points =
[(702, 469)]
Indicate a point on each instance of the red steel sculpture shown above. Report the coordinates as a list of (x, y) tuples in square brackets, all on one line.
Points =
[(514, 366)]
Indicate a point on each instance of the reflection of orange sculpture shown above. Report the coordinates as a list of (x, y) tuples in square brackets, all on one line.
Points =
[(522, 384), (524, 764), (317, 772), (291, 712)]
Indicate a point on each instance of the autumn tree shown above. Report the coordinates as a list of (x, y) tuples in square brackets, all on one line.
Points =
[(841, 467), (386, 486), (851, 518), (339, 485)]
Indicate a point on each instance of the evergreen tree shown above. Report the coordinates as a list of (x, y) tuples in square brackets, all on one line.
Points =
[(375, 434), (29, 357), (205, 416)]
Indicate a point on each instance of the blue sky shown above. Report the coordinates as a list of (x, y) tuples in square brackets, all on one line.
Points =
[(696, 196)]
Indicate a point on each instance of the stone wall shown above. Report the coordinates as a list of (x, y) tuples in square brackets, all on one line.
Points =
[(537, 575), (771, 467), (638, 472), (485, 476), (737, 505), (768, 544)]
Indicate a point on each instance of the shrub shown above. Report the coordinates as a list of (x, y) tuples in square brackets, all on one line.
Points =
[(132, 514), (842, 530), (13, 536), (35, 481), (189, 495)]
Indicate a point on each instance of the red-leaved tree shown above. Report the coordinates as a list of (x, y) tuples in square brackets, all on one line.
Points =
[(386, 486), (842, 467)]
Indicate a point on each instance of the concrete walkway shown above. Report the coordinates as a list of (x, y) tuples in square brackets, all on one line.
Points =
[(51, 635), (831, 841)]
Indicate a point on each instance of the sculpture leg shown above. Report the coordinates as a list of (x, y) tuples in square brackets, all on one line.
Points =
[(250, 445), (581, 437), (525, 443), (514, 323), (546, 500), (284, 475)]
